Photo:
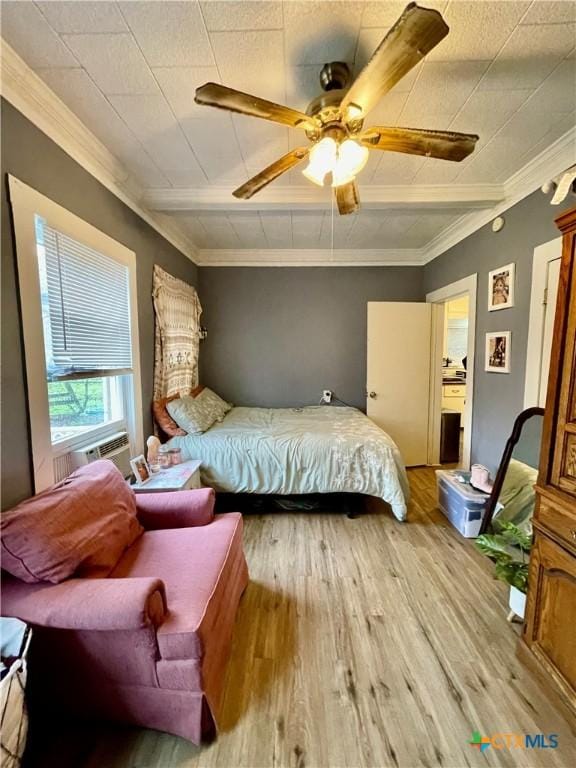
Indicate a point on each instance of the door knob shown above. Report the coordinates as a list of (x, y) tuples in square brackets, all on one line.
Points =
[(372, 395)]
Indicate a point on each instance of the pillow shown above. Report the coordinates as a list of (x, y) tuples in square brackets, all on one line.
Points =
[(163, 418), (220, 407), (198, 414), (79, 527)]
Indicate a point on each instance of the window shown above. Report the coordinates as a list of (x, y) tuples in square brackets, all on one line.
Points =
[(77, 407), (78, 299), (85, 300)]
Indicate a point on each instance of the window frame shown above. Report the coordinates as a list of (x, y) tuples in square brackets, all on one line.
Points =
[(26, 204)]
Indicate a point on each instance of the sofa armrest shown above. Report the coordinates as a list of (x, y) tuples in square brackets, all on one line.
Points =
[(86, 604), (176, 509)]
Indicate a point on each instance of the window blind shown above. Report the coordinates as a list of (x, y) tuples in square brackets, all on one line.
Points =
[(88, 310)]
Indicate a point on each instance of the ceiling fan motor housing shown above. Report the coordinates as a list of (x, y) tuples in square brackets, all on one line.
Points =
[(334, 79), (335, 76)]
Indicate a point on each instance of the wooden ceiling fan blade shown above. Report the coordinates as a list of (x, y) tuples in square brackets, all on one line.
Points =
[(444, 145), (416, 32), (347, 198), (262, 179), (222, 97)]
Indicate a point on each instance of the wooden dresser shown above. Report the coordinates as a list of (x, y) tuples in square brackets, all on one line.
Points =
[(550, 627)]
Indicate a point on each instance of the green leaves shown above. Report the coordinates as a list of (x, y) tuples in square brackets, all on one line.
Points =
[(516, 537), (507, 549), (515, 574)]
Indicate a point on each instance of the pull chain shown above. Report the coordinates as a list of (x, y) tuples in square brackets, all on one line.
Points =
[(332, 230)]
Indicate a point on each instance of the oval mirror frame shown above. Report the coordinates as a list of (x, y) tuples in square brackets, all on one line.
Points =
[(511, 443)]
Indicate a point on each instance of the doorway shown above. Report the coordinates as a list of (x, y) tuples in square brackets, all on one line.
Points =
[(454, 363), (452, 372), (544, 292)]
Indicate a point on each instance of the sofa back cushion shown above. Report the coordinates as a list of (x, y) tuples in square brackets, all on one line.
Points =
[(80, 527)]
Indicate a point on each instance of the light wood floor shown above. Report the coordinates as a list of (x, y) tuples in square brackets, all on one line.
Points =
[(361, 642)]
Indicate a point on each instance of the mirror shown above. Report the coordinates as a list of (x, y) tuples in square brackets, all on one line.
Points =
[(513, 496)]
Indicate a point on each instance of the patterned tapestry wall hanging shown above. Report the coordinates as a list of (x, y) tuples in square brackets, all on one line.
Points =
[(178, 311)]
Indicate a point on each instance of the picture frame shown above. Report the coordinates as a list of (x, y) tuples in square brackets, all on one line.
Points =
[(498, 351), (140, 469), (501, 283)]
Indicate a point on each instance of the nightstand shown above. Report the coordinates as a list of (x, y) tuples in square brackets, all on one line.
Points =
[(180, 477)]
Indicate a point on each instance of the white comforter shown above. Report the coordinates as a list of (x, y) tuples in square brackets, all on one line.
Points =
[(316, 449)]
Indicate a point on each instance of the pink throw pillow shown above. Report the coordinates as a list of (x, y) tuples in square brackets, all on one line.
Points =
[(80, 526)]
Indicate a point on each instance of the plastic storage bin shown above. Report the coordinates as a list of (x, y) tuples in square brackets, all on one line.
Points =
[(463, 505)]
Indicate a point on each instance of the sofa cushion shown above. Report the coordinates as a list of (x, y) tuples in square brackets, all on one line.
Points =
[(200, 567), (80, 527)]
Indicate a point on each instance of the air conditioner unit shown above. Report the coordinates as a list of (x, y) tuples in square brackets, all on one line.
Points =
[(116, 448)]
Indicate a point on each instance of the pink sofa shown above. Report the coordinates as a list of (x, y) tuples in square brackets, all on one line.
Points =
[(149, 643)]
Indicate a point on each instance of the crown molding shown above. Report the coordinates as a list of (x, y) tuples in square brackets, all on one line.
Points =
[(549, 163), (545, 166), (309, 198), (30, 95), (312, 257)]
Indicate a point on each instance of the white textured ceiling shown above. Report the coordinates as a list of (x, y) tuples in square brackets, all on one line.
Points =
[(506, 71), (313, 229)]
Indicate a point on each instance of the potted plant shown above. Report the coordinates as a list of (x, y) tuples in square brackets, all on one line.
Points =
[(509, 549)]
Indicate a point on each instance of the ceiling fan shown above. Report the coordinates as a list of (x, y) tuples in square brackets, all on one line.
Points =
[(334, 121)]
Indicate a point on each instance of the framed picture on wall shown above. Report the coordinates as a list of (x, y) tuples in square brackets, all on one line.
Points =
[(501, 287), (498, 352)]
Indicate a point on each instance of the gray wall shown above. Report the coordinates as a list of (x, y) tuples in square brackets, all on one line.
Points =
[(278, 336), (499, 398), (31, 156)]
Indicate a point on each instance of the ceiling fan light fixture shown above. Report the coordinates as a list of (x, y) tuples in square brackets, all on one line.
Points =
[(339, 179), (322, 160), (314, 175), (352, 157)]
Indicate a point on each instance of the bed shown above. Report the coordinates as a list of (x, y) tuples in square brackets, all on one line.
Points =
[(316, 449)]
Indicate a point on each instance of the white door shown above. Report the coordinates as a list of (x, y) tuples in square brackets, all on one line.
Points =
[(398, 374), (552, 280)]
